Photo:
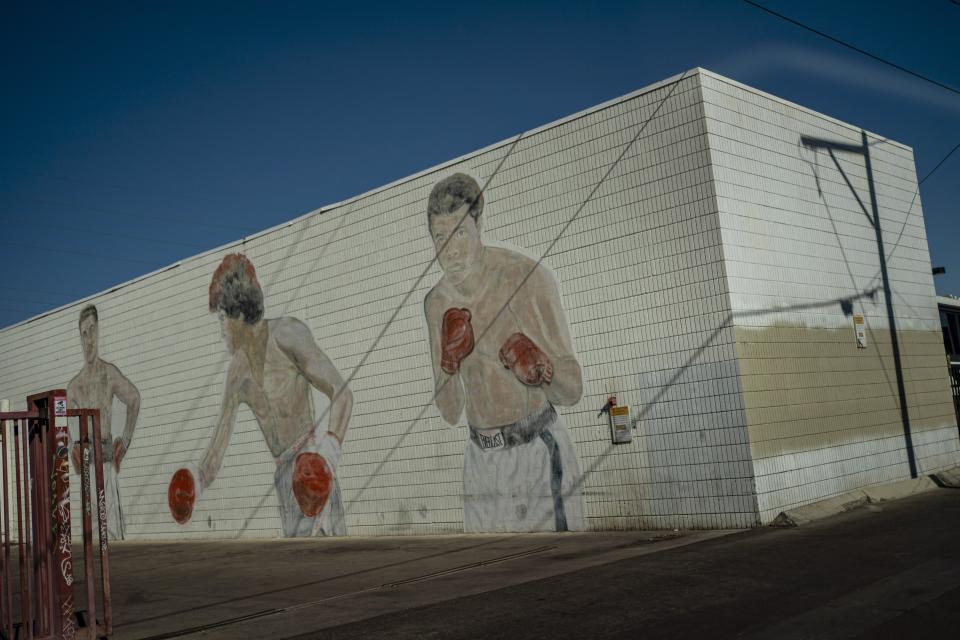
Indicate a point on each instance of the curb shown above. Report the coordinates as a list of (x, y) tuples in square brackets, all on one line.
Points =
[(949, 478)]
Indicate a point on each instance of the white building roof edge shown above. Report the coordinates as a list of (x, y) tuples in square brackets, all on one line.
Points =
[(784, 101)]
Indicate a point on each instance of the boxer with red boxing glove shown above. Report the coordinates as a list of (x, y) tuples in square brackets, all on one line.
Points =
[(274, 364), (456, 336), (502, 355)]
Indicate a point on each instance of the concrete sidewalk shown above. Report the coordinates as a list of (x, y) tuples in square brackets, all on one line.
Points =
[(280, 588)]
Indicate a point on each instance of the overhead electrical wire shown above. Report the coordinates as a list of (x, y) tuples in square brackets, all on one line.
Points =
[(888, 63), (914, 199), (853, 47), (939, 163)]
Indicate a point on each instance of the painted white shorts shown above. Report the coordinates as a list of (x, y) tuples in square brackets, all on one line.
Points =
[(116, 527), (330, 521), (522, 477)]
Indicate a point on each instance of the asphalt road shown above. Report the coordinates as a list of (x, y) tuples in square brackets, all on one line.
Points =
[(884, 571)]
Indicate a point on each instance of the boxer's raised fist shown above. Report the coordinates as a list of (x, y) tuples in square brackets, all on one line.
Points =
[(182, 495), (456, 339), (528, 362), (312, 481)]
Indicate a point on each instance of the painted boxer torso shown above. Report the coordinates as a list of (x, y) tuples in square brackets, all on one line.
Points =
[(502, 304), (92, 388), (277, 393)]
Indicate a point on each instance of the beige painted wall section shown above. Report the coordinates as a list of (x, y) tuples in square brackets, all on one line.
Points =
[(808, 389), (812, 393)]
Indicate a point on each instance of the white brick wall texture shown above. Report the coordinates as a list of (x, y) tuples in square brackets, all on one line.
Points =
[(668, 272)]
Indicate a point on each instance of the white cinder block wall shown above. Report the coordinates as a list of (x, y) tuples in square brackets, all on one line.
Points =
[(661, 263), (639, 266), (824, 416)]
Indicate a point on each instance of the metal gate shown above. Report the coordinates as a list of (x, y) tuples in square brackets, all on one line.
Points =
[(37, 598)]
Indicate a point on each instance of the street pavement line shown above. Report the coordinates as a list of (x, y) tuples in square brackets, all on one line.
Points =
[(212, 625), (386, 585), (427, 576)]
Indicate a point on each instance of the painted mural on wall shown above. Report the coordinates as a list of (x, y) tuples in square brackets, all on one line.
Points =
[(95, 387), (502, 352), (273, 367)]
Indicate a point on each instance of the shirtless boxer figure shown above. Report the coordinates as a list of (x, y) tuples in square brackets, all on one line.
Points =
[(501, 348), (274, 364), (94, 387)]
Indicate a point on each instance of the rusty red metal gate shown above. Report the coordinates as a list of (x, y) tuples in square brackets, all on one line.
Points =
[(35, 451)]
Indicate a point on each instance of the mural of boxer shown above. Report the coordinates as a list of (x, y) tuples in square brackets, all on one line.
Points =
[(274, 364), (501, 349), (95, 387)]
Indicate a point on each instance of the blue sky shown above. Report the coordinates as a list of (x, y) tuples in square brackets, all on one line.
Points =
[(143, 133)]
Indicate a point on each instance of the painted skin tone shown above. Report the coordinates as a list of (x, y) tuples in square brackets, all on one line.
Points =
[(274, 363), (95, 386), (483, 279)]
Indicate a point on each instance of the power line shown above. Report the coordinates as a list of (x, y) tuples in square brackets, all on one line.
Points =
[(516, 290), (938, 164), (914, 199), (891, 64), (855, 48), (909, 212), (466, 213)]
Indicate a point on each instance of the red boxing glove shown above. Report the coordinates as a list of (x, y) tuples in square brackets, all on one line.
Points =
[(528, 362), (312, 481), (182, 495), (456, 339)]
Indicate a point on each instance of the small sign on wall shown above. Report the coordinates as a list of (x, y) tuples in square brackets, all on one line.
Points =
[(860, 329), (60, 411), (620, 424), (59, 405)]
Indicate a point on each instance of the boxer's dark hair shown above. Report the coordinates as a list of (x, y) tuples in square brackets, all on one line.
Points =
[(451, 193), (89, 310), (234, 289)]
